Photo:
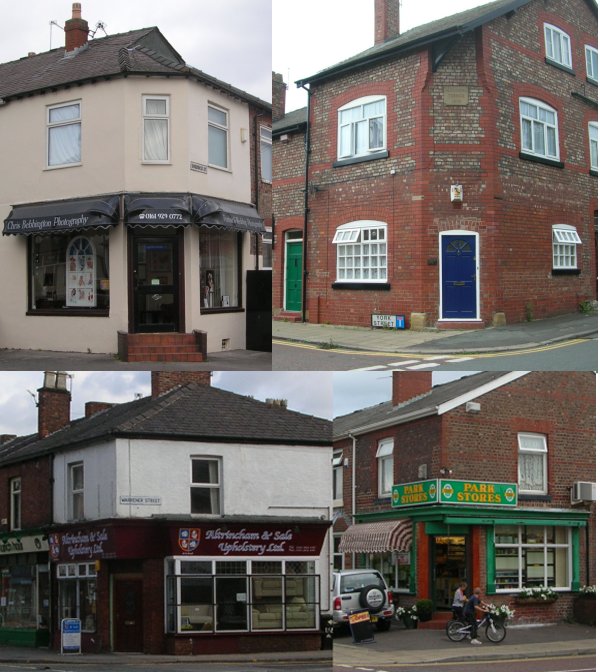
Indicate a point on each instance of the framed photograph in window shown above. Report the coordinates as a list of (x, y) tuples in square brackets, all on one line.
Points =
[(225, 301), (209, 288)]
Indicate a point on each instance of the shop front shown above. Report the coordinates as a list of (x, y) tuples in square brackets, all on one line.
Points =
[(196, 587), (24, 589), (131, 263), (479, 532)]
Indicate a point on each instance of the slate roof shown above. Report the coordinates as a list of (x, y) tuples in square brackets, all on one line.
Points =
[(423, 405), (144, 51), (455, 25), (190, 412), (295, 120)]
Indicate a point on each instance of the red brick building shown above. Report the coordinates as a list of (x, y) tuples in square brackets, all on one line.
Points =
[(452, 174), (478, 479)]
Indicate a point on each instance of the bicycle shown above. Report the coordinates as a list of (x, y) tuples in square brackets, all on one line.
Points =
[(458, 630)]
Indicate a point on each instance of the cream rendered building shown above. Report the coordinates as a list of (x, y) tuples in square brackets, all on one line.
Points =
[(125, 194)]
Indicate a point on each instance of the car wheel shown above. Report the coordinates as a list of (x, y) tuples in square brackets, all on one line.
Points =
[(372, 598)]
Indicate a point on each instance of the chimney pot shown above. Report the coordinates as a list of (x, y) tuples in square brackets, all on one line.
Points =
[(54, 403), (387, 20), (76, 30)]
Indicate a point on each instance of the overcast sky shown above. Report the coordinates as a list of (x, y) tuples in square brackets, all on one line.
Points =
[(302, 45), (320, 393), (228, 39)]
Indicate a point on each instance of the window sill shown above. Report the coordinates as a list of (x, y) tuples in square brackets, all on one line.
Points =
[(377, 286), (64, 165), (361, 159), (220, 309), (593, 82), (566, 271), (157, 163), (69, 312), (586, 99), (534, 498), (541, 159), (594, 173), (223, 169), (560, 66)]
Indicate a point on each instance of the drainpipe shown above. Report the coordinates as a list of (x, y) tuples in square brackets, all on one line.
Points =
[(306, 210), (351, 436), (256, 176)]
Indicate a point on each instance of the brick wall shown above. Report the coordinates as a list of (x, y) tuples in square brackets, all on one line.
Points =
[(438, 136), (36, 499)]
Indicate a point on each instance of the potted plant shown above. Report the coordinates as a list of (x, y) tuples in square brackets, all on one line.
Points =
[(424, 609), (408, 615), (584, 606), (501, 613)]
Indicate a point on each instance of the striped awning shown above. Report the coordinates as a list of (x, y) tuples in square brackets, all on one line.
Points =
[(379, 537)]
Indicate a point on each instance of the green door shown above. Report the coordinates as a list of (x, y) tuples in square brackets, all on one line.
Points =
[(293, 276)]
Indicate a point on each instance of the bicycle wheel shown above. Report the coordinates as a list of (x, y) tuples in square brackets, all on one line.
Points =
[(456, 630), (495, 632)]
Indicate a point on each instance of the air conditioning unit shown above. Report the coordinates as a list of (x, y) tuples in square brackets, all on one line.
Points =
[(583, 491)]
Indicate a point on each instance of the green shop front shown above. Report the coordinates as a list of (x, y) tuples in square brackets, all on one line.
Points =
[(479, 532), (24, 589)]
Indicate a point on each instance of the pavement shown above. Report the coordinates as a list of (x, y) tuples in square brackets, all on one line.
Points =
[(441, 341), (401, 646), (398, 646), (44, 360)]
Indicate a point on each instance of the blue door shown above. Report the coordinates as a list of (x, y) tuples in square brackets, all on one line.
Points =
[(459, 276)]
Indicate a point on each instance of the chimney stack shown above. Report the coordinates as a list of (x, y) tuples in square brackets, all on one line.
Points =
[(278, 96), (76, 30), (163, 381), (54, 403), (277, 403), (409, 384), (93, 407), (387, 20)]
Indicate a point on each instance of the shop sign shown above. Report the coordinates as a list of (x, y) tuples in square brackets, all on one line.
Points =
[(23, 545), (447, 491), (413, 494), (478, 492), (81, 545), (225, 540)]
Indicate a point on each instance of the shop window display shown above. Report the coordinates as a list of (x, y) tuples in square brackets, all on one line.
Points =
[(69, 272), (24, 600), (219, 269)]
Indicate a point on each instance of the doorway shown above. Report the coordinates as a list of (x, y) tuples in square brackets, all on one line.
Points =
[(293, 274), (459, 279), (128, 615), (155, 282), (449, 568)]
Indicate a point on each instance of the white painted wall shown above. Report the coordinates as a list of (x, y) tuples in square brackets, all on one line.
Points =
[(111, 163)]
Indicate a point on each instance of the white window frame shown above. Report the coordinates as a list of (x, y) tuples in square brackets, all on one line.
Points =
[(543, 546), (558, 53), (385, 466), (267, 243), (355, 242), (16, 500), (338, 478), (222, 127), (541, 449), (564, 246), (218, 486), (76, 494), (52, 125), (153, 117), (591, 63), (538, 121), (352, 125), (593, 142), (266, 143)]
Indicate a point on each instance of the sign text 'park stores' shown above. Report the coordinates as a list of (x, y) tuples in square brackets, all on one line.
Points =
[(446, 491)]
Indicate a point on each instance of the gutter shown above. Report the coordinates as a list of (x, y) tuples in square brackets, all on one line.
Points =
[(306, 209), (382, 424)]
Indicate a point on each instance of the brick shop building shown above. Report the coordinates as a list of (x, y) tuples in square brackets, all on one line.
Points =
[(487, 479), (452, 172), (191, 521)]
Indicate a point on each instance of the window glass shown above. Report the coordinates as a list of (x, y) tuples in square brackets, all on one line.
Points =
[(266, 169), (15, 504), (593, 135), (361, 127), (591, 62), (156, 129), (219, 268), (539, 129), (367, 259), (76, 486), (267, 249), (59, 281), (532, 463), (564, 246), (558, 45), (217, 137), (205, 489), (64, 135)]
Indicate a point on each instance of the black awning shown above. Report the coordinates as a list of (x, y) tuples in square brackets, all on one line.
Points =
[(101, 212), (226, 214), (157, 210)]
